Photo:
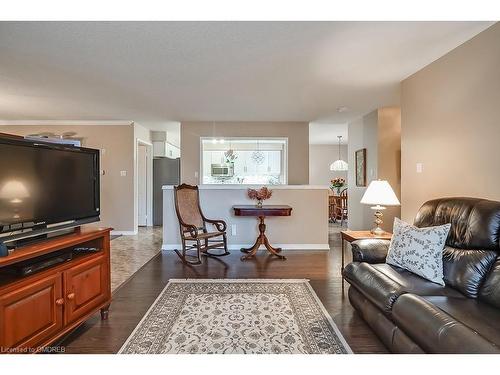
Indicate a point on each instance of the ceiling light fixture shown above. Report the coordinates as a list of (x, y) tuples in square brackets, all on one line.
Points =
[(339, 165)]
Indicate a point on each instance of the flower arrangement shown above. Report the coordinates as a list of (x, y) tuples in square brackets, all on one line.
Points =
[(260, 195), (230, 156), (337, 183)]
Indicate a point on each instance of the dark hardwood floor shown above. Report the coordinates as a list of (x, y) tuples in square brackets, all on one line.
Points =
[(132, 299)]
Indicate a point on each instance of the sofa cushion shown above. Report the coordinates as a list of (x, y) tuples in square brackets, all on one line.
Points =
[(434, 330), (419, 250), (490, 290), (415, 284), (382, 284), (465, 270), (475, 223), (478, 316)]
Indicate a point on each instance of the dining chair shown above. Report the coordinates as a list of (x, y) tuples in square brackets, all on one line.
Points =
[(341, 211)]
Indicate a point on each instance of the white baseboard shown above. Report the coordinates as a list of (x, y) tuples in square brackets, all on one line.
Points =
[(123, 232), (284, 246)]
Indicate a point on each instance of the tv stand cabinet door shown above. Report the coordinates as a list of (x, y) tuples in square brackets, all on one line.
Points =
[(86, 287), (31, 313)]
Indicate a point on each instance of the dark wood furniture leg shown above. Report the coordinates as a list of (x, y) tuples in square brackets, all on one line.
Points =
[(261, 240), (105, 312), (342, 266)]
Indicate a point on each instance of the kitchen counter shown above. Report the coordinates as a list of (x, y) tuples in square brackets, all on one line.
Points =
[(305, 229)]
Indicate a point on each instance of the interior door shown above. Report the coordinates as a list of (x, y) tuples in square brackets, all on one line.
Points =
[(85, 287), (31, 313), (142, 185)]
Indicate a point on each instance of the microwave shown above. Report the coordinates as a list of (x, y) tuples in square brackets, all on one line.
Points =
[(222, 170)]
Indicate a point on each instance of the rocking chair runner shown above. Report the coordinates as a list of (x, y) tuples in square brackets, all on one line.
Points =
[(193, 228)]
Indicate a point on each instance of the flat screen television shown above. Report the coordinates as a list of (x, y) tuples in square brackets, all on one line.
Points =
[(44, 185)]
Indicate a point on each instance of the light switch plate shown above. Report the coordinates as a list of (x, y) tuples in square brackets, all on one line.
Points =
[(123, 173), (420, 167), (233, 230)]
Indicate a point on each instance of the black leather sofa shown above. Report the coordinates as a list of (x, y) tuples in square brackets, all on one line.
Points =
[(412, 315)]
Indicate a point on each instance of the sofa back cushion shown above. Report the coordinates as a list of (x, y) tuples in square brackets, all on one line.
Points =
[(466, 270), (490, 290), (475, 223)]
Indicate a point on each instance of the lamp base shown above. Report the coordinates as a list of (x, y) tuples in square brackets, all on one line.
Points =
[(378, 231)]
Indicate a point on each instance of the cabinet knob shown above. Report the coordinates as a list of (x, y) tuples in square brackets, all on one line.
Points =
[(71, 296), (60, 301)]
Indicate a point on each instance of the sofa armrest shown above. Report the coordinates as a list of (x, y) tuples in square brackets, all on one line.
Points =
[(370, 250)]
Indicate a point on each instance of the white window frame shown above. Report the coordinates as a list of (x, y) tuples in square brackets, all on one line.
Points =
[(250, 138)]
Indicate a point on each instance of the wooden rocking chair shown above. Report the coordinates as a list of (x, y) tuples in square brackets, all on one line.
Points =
[(193, 228)]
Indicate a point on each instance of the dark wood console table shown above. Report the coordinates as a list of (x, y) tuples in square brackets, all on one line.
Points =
[(261, 213), (38, 309)]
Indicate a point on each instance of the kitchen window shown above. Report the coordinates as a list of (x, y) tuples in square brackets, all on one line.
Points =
[(232, 160)]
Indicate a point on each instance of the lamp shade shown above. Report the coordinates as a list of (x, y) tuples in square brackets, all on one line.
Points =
[(338, 165), (379, 192)]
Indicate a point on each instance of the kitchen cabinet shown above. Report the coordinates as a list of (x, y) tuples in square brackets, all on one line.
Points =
[(165, 149)]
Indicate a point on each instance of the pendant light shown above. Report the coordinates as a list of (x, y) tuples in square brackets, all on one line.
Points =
[(338, 165)]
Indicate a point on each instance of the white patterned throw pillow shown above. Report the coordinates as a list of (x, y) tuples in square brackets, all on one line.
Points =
[(419, 250)]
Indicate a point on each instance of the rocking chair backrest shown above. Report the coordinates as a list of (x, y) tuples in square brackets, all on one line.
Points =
[(187, 205)]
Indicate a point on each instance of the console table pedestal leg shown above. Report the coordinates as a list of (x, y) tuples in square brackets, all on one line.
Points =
[(261, 240)]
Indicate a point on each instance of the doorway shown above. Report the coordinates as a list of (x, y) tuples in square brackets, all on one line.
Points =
[(143, 184)]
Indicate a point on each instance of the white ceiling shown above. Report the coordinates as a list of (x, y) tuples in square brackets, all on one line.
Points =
[(153, 72), (326, 134)]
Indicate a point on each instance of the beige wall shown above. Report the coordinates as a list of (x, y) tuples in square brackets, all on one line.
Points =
[(451, 124), (380, 133), (296, 132), (117, 193), (320, 158), (362, 133), (389, 158), (306, 228)]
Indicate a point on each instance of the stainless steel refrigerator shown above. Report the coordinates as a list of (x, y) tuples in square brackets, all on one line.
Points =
[(166, 171)]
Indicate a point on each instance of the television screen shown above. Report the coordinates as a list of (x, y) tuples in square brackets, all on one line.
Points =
[(46, 183)]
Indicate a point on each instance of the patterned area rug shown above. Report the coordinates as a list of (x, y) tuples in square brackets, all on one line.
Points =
[(237, 316)]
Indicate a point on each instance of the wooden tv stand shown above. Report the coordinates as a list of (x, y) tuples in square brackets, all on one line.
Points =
[(38, 309)]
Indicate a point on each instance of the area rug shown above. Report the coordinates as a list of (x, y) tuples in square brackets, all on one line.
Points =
[(236, 316)]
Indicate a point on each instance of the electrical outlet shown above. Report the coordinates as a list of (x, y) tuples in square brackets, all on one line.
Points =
[(123, 173), (233, 229)]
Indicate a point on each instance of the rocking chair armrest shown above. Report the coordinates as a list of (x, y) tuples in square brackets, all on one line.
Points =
[(219, 224), (193, 231)]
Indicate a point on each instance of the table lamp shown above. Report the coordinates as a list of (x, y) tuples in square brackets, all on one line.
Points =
[(379, 194)]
